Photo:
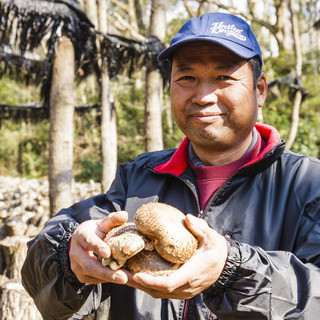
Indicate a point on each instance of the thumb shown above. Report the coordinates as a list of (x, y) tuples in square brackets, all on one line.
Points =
[(197, 226), (114, 219)]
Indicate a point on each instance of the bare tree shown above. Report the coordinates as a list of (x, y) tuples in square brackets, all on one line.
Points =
[(91, 10), (194, 11), (141, 17), (283, 33), (97, 13), (108, 114), (154, 83), (310, 23), (62, 103), (298, 68)]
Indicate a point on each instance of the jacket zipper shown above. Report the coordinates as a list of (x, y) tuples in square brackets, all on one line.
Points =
[(185, 311), (202, 212), (173, 175)]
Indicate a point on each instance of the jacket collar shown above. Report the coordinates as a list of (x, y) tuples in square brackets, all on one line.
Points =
[(179, 160)]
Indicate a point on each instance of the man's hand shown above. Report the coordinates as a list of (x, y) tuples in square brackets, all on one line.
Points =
[(197, 274), (86, 242)]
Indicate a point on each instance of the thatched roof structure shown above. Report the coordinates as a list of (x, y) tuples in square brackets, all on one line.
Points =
[(29, 33), (29, 30)]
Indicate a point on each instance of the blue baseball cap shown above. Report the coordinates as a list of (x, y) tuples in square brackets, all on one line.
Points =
[(225, 29)]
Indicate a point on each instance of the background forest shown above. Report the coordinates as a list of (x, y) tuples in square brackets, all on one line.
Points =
[(24, 142), (108, 102)]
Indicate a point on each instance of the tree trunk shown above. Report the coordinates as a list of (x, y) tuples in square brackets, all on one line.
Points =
[(132, 16), (153, 111), (13, 251), (16, 304), (298, 57), (313, 34), (282, 25), (82, 4), (108, 134), (108, 114), (154, 83), (140, 14), (62, 103), (92, 11)]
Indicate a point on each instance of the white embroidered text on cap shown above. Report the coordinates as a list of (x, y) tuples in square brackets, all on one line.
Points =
[(229, 30)]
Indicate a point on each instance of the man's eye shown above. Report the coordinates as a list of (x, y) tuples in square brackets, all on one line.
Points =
[(186, 78), (224, 77)]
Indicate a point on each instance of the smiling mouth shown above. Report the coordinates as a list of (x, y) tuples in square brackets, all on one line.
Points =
[(206, 117)]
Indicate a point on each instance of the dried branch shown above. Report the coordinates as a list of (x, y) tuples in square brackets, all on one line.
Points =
[(247, 16), (123, 25), (201, 5), (191, 13), (121, 5)]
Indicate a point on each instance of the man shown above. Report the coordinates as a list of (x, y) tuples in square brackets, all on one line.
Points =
[(254, 206)]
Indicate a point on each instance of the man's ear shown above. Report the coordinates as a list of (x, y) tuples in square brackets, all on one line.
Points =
[(262, 89)]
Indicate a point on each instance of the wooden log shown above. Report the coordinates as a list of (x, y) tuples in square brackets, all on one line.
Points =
[(13, 251), (62, 102), (16, 304), (15, 226)]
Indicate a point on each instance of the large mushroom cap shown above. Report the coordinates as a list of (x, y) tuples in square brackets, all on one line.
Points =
[(157, 226), (165, 226)]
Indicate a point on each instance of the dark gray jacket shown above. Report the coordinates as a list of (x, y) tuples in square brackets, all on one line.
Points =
[(270, 208)]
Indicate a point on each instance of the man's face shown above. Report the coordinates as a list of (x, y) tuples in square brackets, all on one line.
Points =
[(213, 99)]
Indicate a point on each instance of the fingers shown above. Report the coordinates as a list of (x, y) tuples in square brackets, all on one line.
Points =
[(92, 271), (87, 243), (160, 283), (90, 234), (87, 237), (84, 262), (198, 227), (164, 287), (169, 283), (209, 239), (153, 286)]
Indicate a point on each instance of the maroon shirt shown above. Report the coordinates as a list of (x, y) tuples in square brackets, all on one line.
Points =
[(210, 178)]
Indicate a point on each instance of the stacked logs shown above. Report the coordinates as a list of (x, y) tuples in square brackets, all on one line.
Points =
[(24, 209)]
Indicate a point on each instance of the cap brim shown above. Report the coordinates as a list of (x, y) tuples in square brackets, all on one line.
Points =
[(230, 45)]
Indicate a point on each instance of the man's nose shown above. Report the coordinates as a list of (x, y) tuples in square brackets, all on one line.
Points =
[(205, 93)]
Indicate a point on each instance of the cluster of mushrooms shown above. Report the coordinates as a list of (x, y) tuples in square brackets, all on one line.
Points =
[(157, 243)]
